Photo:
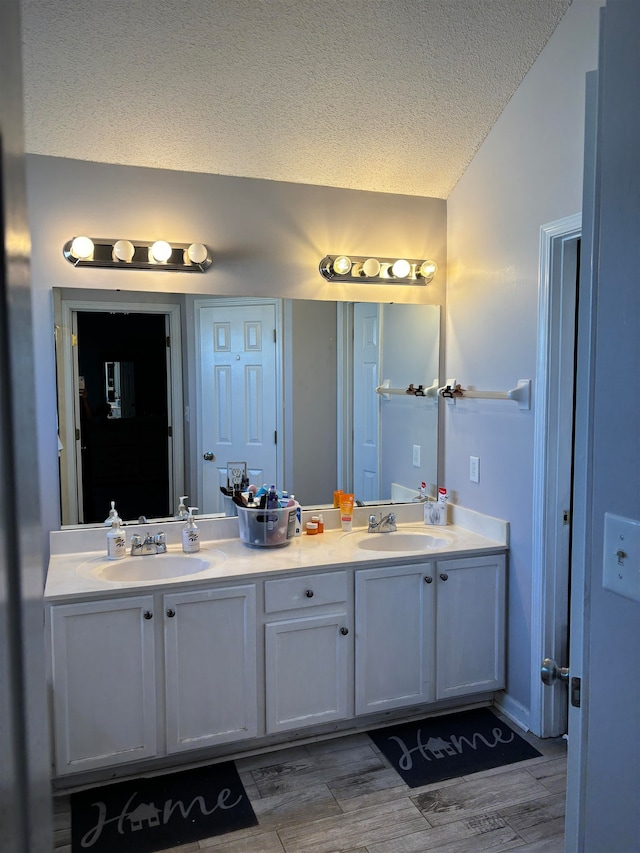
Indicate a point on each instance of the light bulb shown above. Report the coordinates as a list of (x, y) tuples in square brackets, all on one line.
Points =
[(160, 251), (342, 265), (197, 253), (82, 248), (401, 268), (123, 250), (371, 267), (428, 269)]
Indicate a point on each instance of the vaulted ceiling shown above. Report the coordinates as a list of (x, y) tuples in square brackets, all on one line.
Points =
[(387, 95)]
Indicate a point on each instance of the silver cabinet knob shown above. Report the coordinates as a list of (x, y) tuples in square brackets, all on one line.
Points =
[(344, 631), (171, 613), (444, 576), (148, 614), (208, 456), (308, 593), (428, 579)]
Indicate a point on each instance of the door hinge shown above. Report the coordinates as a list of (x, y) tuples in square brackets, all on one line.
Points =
[(274, 336), (170, 431), (576, 690), (74, 340), (275, 436), (77, 435), (566, 516), (168, 341)]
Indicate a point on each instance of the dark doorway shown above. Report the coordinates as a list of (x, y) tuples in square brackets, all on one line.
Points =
[(124, 421)]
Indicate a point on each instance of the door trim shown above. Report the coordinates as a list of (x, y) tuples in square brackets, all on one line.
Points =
[(550, 577), (65, 311)]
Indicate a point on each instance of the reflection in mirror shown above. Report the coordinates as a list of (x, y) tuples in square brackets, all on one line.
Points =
[(141, 444), (119, 393)]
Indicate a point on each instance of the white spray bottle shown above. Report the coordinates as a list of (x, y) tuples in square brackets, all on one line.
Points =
[(190, 534)]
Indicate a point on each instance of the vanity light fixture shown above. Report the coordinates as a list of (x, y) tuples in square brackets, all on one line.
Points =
[(352, 268), (137, 254)]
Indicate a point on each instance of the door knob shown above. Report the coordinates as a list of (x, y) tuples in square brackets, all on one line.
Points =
[(208, 456), (550, 672)]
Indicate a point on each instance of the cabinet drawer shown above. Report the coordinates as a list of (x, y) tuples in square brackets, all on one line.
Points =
[(306, 591)]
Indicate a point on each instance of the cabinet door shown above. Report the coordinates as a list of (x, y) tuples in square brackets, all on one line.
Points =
[(307, 671), (470, 637), (394, 637), (103, 670), (210, 666)]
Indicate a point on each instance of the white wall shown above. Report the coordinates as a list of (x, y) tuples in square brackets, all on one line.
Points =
[(267, 239), (527, 173)]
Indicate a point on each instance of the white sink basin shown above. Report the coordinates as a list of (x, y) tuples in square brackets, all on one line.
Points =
[(151, 567), (402, 541)]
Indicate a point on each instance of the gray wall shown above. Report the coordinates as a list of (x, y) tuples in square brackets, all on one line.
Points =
[(527, 173), (313, 403)]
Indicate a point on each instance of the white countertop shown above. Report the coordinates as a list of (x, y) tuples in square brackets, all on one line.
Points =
[(70, 573)]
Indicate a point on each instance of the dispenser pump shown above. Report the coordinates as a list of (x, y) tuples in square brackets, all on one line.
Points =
[(190, 534), (113, 513), (182, 512)]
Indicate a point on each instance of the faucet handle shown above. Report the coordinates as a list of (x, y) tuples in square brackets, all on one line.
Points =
[(372, 519), (136, 539), (161, 538)]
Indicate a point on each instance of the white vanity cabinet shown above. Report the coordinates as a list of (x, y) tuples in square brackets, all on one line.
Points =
[(210, 666), (169, 672), (103, 671), (308, 650), (470, 640), (429, 631), (395, 633)]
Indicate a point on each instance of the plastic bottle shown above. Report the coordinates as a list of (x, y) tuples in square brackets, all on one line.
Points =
[(272, 498), (320, 524), (190, 534), (116, 539)]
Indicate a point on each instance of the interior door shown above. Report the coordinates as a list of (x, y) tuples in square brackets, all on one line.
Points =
[(366, 403), (239, 395), (604, 737)]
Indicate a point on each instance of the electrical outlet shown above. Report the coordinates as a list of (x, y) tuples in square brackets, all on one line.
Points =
[(474, 469), (416, 455)]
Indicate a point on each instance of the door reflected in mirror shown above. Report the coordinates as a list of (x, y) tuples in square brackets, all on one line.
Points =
[(130, 433)]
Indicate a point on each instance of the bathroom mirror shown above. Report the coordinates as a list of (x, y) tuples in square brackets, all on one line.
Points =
[(130, 394)]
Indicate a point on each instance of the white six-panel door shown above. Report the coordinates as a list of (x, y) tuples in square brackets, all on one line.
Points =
[(239, 394)]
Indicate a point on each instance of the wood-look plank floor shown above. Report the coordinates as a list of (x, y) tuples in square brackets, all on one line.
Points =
[(341, 796)]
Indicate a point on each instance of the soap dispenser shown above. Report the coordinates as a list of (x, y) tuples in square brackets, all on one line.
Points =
[(190, 534), (181, 512), (116, 540)]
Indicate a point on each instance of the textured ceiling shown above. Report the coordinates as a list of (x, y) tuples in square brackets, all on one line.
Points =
[(387, 95)]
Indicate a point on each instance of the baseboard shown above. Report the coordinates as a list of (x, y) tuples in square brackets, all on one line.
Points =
[(513, 709)]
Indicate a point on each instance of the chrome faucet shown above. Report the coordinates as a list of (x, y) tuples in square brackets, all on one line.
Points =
[(385, 524), (149, 545)]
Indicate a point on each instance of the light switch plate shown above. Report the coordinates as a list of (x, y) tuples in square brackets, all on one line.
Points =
[(621, 558)]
